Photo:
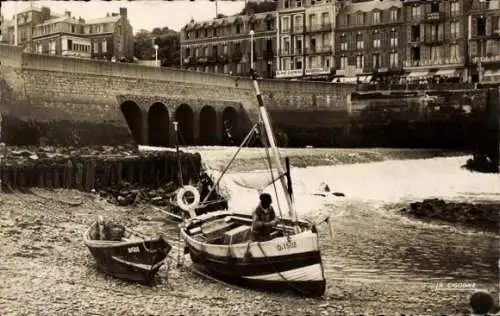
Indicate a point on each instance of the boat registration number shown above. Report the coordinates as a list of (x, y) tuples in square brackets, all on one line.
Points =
[(134, 250), (290, 244)]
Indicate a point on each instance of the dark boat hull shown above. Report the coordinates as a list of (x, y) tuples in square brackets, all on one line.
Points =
[(283, 263), (136, 261)]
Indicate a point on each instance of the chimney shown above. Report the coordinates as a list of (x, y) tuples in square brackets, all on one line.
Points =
[(123, 12), (81, 20), (67, 13), (45, 13)]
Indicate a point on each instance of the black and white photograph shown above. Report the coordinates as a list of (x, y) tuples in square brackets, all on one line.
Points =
[(249, 157)]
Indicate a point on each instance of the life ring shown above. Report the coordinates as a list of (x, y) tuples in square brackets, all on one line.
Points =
[(181, 198)]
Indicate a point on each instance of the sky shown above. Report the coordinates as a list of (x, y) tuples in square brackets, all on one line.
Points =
[(146, 14)]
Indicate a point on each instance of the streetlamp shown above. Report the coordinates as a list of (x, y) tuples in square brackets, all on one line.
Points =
[(251, 48), (156, 54)]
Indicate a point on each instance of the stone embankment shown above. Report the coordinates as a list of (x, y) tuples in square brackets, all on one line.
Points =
[(480, 216), (122, 175)]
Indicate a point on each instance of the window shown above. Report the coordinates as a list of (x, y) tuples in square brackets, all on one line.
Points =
[(238, 29), (298, 64), (360, 61), (359, 41), (298, 21), (225, 49), (70, 44), (393, 59), (205, 32), (343, 46), (455, 8), (360, 18), (285, 26), (343, 62), (376, 40), (394, 38), (298, 46), (287, 4), (435, 7), (481, 27), (454, 53), (216, 68), (435, 53), (215, 32), (312, 19), (455, 29), (226, 68), (188, 35), (394, 15), (376, 61), (298, 3), (325, 18), (312, 45), (104, 46), (376, 17), (416, 12), (73, 29), (415, 33), (269, 25)]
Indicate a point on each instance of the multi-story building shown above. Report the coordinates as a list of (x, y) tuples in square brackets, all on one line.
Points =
[(306, 38), (369, 40), (111, 36), (4, 25), (26, 21), (222, 45), (104, 38), (436, 43), (484, 41), (61, 36)]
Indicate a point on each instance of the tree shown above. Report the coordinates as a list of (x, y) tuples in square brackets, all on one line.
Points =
[(167, 40), (252, 7)]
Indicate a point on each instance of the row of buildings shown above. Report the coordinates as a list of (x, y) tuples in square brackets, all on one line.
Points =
[(38, 30), (455, 40)]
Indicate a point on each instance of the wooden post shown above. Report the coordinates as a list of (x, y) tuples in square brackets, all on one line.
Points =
[(119, 173), (79, 176)]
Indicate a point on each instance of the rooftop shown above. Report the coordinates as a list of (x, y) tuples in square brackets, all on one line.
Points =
[(108, 19), (372, 5)]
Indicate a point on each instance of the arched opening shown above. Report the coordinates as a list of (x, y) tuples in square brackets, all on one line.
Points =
[(158, 125), (133, 117), (184, 116), (208, 119), (230, 128)]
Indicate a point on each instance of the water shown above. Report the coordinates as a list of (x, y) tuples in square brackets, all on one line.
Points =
[(372, 242)]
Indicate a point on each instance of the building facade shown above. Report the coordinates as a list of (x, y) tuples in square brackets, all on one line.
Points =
[(41, 32), (484, 41), (26, 21), (306, 39), (223, 45), (436, 39), (369, 39), (111, 37), (61, 36)]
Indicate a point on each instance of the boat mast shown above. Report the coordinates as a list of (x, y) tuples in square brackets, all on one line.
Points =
[(272, 143)]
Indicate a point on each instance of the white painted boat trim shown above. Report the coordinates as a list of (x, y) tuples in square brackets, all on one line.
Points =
[(303, 274), (138, 265)]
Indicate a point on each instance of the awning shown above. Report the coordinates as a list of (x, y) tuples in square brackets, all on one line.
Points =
[(365, 79), (418, 74), (347, 79), (447, 73)]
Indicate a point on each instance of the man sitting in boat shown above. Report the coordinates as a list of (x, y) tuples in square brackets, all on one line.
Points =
[(264, 219)]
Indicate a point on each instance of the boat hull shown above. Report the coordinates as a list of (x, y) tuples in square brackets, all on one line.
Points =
[(284, 263), (136, 261)]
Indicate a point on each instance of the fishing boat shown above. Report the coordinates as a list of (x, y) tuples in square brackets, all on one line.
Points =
[(220, 243), (125, 254)]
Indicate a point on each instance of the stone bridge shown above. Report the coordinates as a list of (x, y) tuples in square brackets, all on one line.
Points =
[(82, 99)]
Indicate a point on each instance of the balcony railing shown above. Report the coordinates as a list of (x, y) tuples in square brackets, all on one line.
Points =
[(434, 40), (486, 59), (299, 29), (318, 50), (433, 62), (319, 27), (415, 39), (285, 52), (435, 16), (289, 73)]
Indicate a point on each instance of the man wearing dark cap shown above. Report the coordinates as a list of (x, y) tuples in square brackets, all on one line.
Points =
[(264, 219)]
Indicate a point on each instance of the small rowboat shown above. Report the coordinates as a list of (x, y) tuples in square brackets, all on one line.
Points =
[(125, 254)]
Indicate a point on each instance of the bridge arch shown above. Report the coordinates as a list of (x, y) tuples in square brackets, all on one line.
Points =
[(158, 125), (184, 115), (133, 116), (230, 127), (208, 125)]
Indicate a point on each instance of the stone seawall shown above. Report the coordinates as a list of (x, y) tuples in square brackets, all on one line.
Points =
[(98, 169)]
